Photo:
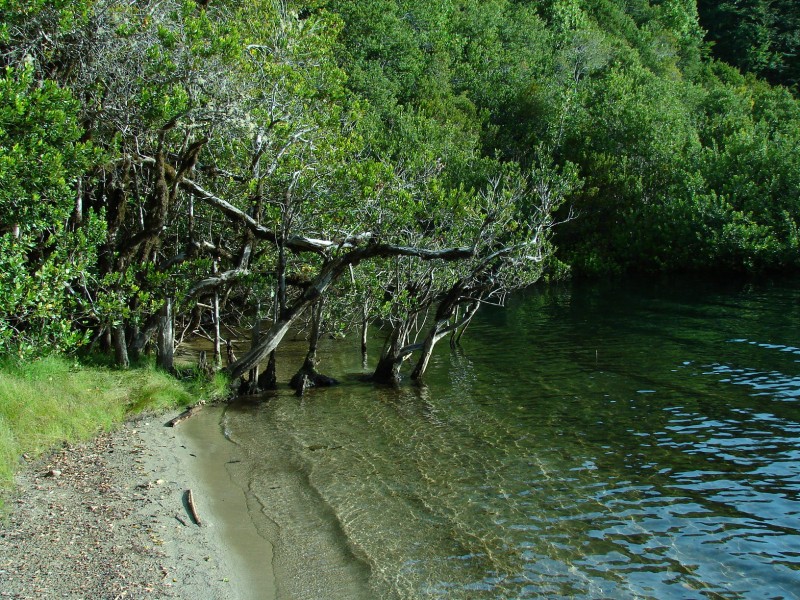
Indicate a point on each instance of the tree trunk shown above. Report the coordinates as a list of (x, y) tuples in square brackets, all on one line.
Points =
[(326, 277), (253, 383), (459, 333), (203, 366), (439, 330), (229, 355), (427, 350), (388, 367), (268, 380), (388, 370), (274, 335), (133, 333), (364, 333), (268, 343), (144, 334), (308, 376), (120, 346), (166, 338), (106, 341), (281, 280), (217, 334)]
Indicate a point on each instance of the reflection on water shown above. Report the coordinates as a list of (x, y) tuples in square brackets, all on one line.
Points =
[(638, 442)]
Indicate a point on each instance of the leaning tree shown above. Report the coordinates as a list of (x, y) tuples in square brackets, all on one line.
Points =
[(507, 227)]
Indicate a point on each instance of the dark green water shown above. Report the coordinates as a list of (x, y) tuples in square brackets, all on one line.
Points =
[(586, 442)]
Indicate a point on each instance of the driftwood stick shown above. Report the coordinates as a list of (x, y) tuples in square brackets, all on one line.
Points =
[(184, 415), (192, 507)]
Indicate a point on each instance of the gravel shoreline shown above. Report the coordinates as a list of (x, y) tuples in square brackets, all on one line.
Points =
[(108, 519)]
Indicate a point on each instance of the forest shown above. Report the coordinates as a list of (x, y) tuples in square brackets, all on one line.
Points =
[(172, 167)]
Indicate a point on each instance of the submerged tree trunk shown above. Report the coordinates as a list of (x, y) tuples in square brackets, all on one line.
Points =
[(308, 376), (268, 344), (253, 382), (268, 380), (396, 351), (166, 338), (275, 334), (434, 335), (326, 277), (439, 330), (388, 370)]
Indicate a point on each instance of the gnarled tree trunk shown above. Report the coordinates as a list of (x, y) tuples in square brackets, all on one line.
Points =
[(394, 353), (253, 381), (308, 376), (328, 275), (268, 380)]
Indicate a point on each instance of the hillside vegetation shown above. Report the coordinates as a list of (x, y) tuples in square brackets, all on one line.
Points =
[(342, 162)]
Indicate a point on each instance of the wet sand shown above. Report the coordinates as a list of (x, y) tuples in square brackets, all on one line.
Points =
[(109, 519)]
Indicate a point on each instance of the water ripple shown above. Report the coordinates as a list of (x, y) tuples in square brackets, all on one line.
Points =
[(586, 443)]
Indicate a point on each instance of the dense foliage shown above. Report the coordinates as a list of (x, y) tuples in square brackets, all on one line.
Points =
[(347, 162), (758, 36)]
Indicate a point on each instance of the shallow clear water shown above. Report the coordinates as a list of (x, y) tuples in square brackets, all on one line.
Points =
[(638, 441)]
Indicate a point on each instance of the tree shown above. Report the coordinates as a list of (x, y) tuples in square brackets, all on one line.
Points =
[(203, 168), (757, 36), (507, 225), (44, 260)]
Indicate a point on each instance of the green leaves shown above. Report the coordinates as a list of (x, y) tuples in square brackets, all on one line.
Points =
[(757, 36), (247, 144), (40, 162), (39, 154)]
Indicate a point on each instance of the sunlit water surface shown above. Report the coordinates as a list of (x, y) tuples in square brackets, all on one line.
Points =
[(585, 442)]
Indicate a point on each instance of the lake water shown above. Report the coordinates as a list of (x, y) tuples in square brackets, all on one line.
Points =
[(625, 441)]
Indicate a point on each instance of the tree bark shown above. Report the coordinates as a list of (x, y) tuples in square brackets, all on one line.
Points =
[(166, 338), (144, 334), (308, 376), (203, 367), (281, 280), (268, 343), (120, 346), (439, 330), (388, 368), (253, 384), (190, 412), (268, 380), (427, 350), (217, 334)]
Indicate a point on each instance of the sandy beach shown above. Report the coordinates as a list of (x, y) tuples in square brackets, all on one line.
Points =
[(109, 519)]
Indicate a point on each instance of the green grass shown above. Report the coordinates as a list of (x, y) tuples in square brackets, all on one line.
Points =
[(51, 401)]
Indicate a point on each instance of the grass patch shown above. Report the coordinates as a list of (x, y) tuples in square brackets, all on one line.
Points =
[(50, 401)]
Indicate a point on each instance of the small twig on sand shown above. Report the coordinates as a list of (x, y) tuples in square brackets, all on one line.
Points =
[(192, 507), (184, 415)]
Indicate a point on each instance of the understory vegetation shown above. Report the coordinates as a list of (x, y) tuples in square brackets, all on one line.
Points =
[(174, 168)]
